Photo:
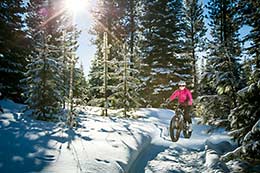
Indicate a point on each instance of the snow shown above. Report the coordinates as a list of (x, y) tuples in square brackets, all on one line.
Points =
[(106, 144)]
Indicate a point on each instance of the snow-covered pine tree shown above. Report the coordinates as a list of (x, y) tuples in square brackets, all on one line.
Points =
[(69, 45), (134, 33), (108, 20), (44, 79), (64, 57), (223, 68), (32, 90), (80, 87), (103, 80), (162, 25), (195, 36), (95, 80), (42, 93), (245, 121), (71, 76), (13, 48), (63, 28), (126, 93), (246, 115)]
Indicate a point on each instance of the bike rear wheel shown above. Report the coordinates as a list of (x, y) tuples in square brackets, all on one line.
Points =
[(175, 130), (186, 132)]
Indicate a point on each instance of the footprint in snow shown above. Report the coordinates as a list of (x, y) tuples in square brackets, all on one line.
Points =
[(99, 160), (46, 158)]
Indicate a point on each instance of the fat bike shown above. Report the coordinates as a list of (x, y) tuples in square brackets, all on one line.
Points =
[(178, 125)]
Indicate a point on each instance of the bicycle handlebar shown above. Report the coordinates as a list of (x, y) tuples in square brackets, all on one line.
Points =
[(166, 104)]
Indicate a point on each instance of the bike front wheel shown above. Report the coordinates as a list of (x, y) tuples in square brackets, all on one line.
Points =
[(175, 130)]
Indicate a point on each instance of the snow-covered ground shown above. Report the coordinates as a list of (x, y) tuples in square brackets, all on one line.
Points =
[(107, 144)]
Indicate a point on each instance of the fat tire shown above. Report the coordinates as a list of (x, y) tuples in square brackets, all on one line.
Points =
[(174, 130), (186, 133)]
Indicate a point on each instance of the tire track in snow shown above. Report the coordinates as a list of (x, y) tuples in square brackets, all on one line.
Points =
[(163, 156), (177, 159)]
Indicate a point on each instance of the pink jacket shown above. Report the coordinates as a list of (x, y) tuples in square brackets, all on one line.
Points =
[(183, 96)]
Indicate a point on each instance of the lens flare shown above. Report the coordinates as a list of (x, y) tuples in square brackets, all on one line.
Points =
[(76, 6)]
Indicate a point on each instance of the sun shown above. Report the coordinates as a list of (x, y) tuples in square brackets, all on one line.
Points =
[(76, 6)]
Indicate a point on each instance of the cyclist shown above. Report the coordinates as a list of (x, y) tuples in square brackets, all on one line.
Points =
[(185, 101)]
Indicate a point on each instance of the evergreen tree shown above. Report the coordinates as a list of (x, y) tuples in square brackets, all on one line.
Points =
[(42, 92), (223, 73), (126, 93), (96, 96), (46, 63), (164, 58), (13, 48), (80, 86), (111, 20), (69, 45), (245, 116), (39, 70), (195, 32), (248, 14)]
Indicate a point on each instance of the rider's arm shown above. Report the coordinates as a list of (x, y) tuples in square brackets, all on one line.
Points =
[(190, 98), (174, 95)]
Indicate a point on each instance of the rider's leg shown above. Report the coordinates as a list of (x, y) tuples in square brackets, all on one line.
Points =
[(187, 117)]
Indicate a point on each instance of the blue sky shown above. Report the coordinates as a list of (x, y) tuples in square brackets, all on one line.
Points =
[(86, 49)]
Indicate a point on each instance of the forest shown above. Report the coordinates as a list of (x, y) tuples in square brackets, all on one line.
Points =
[(144, 48)]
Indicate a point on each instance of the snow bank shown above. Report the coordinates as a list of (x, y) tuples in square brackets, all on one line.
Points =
[(10, 106), (213, 153)]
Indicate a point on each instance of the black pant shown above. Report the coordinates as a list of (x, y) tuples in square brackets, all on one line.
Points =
[(186, 109)]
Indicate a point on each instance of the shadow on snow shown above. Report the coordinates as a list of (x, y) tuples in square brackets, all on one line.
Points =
[(29, 145)]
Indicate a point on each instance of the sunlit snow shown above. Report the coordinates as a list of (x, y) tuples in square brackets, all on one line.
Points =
[(106, 144)]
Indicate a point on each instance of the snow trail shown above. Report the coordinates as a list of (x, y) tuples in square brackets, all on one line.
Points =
[(163, 155), (105, 144)]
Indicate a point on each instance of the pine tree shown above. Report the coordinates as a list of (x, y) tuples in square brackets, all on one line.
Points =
[(39, 85), (104, 79), (245, 116), (68, 43), (163, 55), (110, 20), (13, 48), (195, 32), (126, 94), (42, 93), (248, 12), (47, 61), (96, 97), (223, 73), (80, 86)]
